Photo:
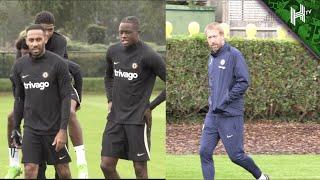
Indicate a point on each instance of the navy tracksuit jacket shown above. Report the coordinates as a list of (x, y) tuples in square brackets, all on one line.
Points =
[(228, 81)]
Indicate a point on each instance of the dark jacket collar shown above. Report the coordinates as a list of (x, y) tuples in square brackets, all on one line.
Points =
[(224, 48)]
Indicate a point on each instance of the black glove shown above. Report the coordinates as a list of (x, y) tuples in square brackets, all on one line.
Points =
[(16, 137)]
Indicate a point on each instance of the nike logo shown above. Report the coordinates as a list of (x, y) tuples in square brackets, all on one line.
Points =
[(62, 157), (140, 154), (116, 62), (24, 76), (229, 136)]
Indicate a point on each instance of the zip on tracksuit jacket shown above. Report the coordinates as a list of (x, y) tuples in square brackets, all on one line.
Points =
[(228, 81)]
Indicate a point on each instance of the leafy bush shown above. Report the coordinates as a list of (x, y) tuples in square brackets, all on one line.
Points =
[(96, 34), (90, 84), (284, 79), (81, 46), (92, 63)]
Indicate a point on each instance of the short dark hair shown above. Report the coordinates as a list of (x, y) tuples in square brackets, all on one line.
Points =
[(35, 26), (132, 20), (21, 44), (44, 17)]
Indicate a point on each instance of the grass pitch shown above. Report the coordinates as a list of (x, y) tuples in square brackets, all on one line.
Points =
[(92, 118), (305, 167)]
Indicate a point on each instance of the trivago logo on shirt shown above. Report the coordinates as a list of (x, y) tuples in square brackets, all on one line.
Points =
[(36, 85), (128, 75)]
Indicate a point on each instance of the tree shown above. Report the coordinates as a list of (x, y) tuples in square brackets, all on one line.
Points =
[(73, 17)]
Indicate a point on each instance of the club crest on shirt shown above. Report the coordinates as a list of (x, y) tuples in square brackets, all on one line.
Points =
[(222, 62), (134, 65), (45, 74)]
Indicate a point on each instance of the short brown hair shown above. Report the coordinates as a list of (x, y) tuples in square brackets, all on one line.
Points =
[(214, 25)]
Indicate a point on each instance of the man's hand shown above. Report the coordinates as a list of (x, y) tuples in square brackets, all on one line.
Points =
[(109, 106), (217, 111), (60, 140), (16, 138)]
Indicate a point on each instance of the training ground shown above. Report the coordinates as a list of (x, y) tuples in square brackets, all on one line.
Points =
[(92, 117)]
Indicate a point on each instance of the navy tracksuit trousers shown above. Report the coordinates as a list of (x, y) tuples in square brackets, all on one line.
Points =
[(230, 131)]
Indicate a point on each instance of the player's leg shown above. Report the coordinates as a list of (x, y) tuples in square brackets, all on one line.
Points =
[(59, 159), (63, 170), (76, 137), (114, 146), (14, 162), (141, 169), (42, 171), (231, 133), (138, 148), (108, 166), (209, 140), (75, 131), (31, 170), (32, 154)]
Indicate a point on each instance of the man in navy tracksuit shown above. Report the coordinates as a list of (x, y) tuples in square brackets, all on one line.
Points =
[(228, 81)]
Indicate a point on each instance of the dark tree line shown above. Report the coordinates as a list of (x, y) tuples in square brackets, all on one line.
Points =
[(74, 16)]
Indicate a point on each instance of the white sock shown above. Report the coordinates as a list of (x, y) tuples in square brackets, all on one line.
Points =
[(81, 155), (262, 177), (14, 161)]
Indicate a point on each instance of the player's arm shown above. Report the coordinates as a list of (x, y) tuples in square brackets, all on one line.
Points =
[(75, 71), (158, 66), (109, 79), (64, 84), (242, 78), (19, 97), (60, 46), (65, 54)]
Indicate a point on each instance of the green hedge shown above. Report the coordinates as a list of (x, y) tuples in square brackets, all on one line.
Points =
[(95, 85), (284, 79), (96, 34), (82, 46), (92, 63)]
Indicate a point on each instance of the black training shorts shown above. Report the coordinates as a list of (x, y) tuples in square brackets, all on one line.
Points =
[(126, 141), (38, 149)]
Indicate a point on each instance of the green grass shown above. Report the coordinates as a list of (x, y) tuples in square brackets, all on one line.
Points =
[(276, 166), (92, 117)]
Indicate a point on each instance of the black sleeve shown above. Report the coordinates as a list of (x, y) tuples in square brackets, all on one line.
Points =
[(75, 71), (65, 55), (64, 85), (18, 97), (158, 66), (59, 45), (12, 84), (108, 78)]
